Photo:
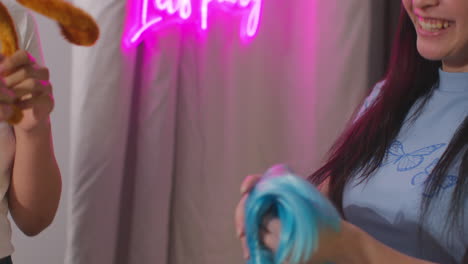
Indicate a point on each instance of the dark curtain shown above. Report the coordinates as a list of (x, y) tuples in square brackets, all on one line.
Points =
[(384, 21)]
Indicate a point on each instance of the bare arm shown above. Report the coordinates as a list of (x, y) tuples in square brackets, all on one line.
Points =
[(35, 186), (364, 249), (361, 248), (370, 251)]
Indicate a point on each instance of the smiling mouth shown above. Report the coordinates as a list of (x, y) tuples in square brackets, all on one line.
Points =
[(433, 25)]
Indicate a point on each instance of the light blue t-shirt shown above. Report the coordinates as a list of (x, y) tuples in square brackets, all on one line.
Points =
[(388, 205)]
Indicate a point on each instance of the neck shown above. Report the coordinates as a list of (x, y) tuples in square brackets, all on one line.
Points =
[(454, 66)]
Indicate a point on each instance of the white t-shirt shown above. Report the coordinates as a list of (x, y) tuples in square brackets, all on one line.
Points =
[(29, 41)]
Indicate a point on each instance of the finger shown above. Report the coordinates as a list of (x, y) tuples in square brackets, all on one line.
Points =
[(239, 217), (6, 95), (19, 59), (31, 88), (271, 236), (26, 72), (44, 104), (245, 248), (249, 182), (240, 225)]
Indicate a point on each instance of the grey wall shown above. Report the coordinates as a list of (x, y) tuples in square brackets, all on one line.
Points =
[(49, 247)]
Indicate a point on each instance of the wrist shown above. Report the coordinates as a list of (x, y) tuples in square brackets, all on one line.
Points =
[(40, 130)]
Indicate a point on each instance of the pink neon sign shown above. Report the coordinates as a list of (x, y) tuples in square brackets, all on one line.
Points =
[(152, 14)]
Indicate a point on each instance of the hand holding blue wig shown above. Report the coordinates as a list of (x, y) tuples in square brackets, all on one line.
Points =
[(301, 209)]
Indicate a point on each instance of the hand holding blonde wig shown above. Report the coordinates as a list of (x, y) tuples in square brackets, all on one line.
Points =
[(76, 25)]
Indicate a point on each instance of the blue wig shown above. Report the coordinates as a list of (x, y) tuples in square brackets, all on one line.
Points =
[(301, 209)]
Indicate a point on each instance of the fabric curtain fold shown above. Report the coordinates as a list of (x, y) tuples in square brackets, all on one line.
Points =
[(164, 133)]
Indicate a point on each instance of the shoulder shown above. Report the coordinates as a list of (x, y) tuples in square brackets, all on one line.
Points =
[(17, 11), (26, 28)]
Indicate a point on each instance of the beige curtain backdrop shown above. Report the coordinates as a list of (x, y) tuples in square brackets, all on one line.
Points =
[(163, 135)]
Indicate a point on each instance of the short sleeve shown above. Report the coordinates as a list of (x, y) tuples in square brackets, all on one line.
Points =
[(26, 29), (30, 38)]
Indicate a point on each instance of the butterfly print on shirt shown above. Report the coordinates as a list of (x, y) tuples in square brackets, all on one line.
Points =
[(422, 178), (397, 155)]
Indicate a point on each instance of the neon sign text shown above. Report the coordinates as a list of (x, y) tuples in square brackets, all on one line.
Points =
[(150, 14)]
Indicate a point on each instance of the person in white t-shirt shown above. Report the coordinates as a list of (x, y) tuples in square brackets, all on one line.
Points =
[(30, 180)]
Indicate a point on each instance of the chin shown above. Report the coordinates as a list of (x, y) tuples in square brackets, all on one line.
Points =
[(431, 52)]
